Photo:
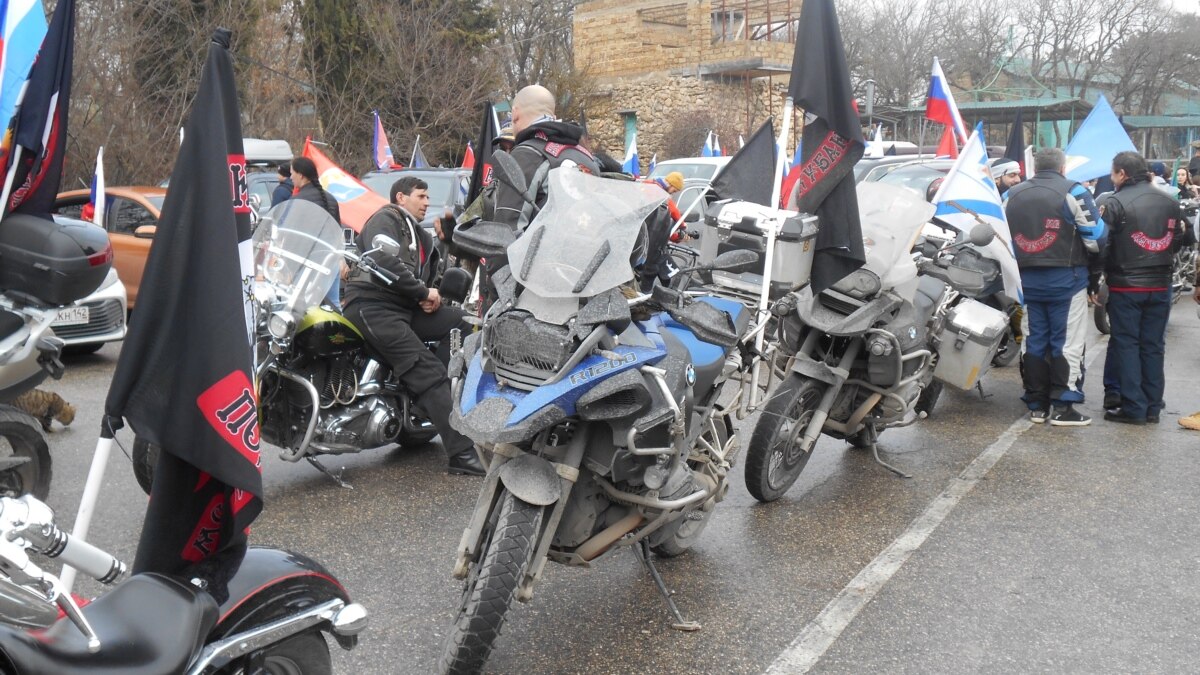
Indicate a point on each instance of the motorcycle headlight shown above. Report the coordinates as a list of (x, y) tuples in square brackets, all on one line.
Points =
[(281, 325)]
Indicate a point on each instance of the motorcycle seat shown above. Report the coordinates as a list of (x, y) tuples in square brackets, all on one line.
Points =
[(148, 625), (929, 291)]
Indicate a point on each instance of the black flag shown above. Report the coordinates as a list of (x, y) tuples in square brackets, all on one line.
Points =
[(832, 143), (481, 173), (40, 124), (1015, 150), (185, 377), (750, 173)]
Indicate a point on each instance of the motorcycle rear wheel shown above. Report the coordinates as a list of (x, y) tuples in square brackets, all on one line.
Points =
[(1009, 350), (302, 654), (145, 458), (25, 439), (492, 586), (774, 459)]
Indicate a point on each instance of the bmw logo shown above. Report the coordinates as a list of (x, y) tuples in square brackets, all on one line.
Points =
[(690, 375)]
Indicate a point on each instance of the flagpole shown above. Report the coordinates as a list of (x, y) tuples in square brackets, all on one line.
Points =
[(91, 495), (414, 152)]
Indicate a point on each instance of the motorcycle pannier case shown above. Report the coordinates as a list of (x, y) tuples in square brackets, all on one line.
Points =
[(54, 262), (731, 225), (967, 342)]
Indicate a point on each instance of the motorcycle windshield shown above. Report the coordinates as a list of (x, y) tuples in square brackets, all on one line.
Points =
[(297, 251), (579, 244), (891, 218)]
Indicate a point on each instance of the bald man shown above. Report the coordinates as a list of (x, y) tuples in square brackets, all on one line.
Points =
[(541, 138)]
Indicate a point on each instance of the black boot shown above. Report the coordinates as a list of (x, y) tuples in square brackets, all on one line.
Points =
[(466, 463)]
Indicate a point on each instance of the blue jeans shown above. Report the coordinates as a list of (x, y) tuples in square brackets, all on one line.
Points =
[(1137, 348), (1052, 366)]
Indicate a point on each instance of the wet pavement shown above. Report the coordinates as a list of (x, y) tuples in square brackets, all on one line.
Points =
[(1077, 552)]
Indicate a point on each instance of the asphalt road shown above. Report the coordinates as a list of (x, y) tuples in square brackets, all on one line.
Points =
[(1067, 550)]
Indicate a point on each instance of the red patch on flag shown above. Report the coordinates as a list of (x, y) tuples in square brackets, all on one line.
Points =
[(231, 408), (239, 184), (206, 537)]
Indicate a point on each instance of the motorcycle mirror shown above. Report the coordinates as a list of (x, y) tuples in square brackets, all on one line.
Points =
[(484, 239), (739, 260), (508, 171), (982, 234), (386, 244)]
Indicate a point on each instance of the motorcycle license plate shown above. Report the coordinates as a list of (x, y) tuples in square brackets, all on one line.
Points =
[(71, 316)]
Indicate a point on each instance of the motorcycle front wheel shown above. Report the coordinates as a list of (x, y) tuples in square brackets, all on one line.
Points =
[(775, 459), (25, 451), (492, 586)]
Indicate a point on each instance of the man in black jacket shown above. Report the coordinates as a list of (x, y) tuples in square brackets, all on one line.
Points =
[(541, 139), (396, 319), (1145, 229)]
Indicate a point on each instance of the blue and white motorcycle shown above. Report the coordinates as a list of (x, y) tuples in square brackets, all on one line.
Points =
[(601, 408)]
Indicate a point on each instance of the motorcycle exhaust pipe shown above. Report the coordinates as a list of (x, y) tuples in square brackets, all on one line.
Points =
[(602, 541)]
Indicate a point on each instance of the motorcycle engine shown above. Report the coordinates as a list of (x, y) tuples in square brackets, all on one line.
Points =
[(367, 423)]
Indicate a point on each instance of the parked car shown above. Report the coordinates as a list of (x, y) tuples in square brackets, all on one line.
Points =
[(447, 188), (131, 218), (878, 166), (691, 167), (87, 324)]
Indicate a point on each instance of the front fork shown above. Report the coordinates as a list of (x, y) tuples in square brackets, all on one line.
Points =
[(840, 374), (567, 471)]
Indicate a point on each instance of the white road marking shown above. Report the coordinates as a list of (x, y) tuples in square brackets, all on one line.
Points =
[(820, 633)]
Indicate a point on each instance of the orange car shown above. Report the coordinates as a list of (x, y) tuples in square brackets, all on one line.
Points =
[(131, 218)]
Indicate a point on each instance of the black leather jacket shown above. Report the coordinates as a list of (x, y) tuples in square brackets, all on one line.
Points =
[(413, 268), (553, 142), (1145, 232)]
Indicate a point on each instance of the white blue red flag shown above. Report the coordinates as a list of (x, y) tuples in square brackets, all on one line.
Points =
[(381, 150), (653, 163), (1099, 139), (940, 106), (707, 150), (418, 160), (631, 165), (968, 196), (97, 198)]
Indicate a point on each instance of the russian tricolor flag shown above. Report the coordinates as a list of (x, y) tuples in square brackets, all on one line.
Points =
[(381, 150), (22, 29), (940, 106), (707, 150), (97, 198), (631, 165)]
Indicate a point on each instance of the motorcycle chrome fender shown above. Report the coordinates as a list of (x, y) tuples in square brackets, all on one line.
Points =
[(271, 583)]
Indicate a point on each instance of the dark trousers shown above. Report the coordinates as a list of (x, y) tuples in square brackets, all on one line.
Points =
[(399, 336), (1052, 365), (1137, 347)]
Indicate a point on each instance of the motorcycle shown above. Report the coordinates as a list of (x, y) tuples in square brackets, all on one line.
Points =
[(861, 351), (601, 408), (46, 265), (278, 608), (321, 389)]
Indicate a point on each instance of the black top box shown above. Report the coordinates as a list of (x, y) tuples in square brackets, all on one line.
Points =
[(52, 262)]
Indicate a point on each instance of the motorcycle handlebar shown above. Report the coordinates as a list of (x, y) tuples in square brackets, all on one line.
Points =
[(90, 560)]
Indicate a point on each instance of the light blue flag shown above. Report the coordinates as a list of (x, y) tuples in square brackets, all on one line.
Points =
[(968, 196), (1099, 139)]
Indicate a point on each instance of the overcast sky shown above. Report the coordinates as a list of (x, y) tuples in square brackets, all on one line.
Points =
[(1186, 5)]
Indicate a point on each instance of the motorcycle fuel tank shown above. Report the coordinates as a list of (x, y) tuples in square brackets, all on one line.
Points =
[(324, 332)]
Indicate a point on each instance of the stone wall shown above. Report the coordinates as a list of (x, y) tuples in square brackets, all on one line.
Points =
[(647, 56)]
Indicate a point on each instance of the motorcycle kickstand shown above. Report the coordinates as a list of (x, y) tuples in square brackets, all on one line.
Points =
[(335, 476), (979, 388), (642, 551), (873, 435)]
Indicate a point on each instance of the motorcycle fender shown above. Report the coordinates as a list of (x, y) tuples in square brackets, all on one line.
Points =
[(269, 584), (532, 480), (815, 370)]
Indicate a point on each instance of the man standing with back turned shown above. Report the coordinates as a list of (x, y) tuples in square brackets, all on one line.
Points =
[(1055, 227), (1144, 233)]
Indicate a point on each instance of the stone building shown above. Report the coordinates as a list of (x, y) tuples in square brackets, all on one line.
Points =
[(675, 69)]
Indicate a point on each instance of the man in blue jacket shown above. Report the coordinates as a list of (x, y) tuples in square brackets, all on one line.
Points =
[(1055, 228)]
